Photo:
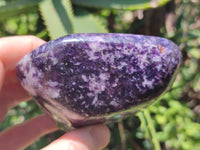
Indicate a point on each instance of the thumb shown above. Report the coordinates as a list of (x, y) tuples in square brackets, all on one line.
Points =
[(88, 138)]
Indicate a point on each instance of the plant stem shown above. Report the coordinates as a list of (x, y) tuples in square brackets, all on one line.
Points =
[(122, 135), (149, 129)]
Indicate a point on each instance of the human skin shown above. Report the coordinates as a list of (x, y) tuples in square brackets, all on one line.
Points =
[(12, 49)]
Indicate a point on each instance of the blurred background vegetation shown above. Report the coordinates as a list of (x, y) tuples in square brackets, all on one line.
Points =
[(173, 123)]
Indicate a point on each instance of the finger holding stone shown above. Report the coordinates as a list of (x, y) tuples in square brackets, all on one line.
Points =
[(24, 134), (11, 50)]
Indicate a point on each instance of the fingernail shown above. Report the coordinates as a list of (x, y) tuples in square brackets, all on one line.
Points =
[(100, 135), (66, 145)]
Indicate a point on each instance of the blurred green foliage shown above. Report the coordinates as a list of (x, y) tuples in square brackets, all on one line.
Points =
[(171, 123)]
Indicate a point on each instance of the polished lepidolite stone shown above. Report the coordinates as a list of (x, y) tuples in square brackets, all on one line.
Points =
[(88, 78)]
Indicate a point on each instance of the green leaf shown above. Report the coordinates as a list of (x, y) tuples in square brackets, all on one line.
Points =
[(2, 3), (194, 52), (16, 7), (58, 17), (86, 22), (121, 4)]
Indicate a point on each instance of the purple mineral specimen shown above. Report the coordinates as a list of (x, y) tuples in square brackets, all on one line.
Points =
[(89, 78)]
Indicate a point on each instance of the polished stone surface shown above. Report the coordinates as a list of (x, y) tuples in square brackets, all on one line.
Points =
[(84, 76)]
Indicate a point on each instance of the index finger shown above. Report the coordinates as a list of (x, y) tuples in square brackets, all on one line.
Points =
[(12, 49)]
